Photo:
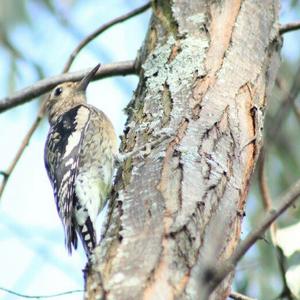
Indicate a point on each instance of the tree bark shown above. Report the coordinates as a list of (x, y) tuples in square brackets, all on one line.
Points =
[(207, 69)]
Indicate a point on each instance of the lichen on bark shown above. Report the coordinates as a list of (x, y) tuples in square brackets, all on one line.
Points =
[(206, 70)]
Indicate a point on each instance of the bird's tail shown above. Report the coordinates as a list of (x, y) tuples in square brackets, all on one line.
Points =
[(71, 238), (87, 234)]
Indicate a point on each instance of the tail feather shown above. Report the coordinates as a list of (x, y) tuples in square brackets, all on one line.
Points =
[(71, 238), (88, 236)]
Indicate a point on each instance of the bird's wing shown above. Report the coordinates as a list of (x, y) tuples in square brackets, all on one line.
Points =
[(62, 153)]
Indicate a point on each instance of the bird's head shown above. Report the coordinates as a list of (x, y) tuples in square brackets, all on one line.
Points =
[(67, 95)]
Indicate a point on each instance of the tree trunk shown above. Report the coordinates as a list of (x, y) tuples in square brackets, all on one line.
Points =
[(207, 69)]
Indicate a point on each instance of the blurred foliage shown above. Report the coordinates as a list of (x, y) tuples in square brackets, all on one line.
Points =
[(258, 273), (15, 13), (282, 168), (12, 13)]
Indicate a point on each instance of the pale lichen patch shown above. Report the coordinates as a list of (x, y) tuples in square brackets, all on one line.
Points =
[(188, 62)]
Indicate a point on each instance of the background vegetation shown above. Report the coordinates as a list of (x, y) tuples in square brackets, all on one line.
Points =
[(36, 39)]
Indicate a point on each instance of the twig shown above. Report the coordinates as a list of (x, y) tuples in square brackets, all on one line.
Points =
[(265, 192), (267, 200), (101, 29), (286, 201), (238, 296), (39, 296), (17, 54), (282, 85), (289, 27), (25, 142), (282, 112), (45, 85), (264, 189)]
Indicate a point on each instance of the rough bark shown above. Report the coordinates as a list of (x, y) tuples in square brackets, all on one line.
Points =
[(207, 70)]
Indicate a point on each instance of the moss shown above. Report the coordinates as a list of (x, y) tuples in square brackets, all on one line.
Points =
[(166, 100), (138, 112), (152, 39), (163, 11), (126, 174)]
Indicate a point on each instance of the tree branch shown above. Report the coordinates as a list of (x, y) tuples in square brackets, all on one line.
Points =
[(45, 85), (6, 42), (100, 30), (265, 192), (42, 86), (286, 201), (289, 27), (25, 142), (288, 100), (39, 296), (238, 296), (268, 204)]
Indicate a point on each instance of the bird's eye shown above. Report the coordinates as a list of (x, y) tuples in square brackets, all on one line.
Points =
[(57, 91)]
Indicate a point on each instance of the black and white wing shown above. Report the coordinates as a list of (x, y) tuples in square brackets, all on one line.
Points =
[(62, 153)]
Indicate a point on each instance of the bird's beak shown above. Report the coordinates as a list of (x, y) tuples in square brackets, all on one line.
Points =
[(87, 78)]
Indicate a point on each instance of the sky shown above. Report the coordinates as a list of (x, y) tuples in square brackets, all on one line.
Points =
[(33, 259)]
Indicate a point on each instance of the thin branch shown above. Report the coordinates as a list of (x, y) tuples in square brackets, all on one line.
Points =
[(18, 54), (282, 112), (25, 142), (45, 85), (265, 192), (286, 201), (267, 200), (289, 27), (101, 29), (282, 85), (39, 296), (238, 296)]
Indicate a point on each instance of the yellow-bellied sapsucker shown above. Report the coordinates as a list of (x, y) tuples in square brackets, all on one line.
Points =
[(79, 157)]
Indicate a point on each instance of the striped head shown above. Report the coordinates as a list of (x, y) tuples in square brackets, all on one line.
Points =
[(67, 95)]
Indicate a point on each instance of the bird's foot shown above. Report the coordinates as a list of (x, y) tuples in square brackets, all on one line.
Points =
[(145, 150)]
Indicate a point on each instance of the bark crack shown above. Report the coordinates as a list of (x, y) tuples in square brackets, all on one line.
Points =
[(221, 38), (161, 265)]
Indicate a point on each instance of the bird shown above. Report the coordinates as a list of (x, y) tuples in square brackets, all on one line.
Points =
[(79, 157)]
